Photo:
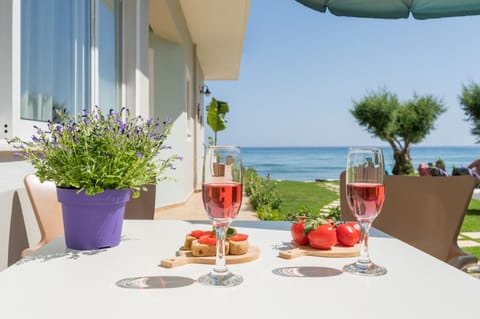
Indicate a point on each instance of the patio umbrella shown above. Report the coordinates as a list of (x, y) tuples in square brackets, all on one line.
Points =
[(395, 9)]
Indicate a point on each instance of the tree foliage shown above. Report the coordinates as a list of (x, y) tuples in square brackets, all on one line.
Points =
[(216, 116), (470, 101), (398, 124)]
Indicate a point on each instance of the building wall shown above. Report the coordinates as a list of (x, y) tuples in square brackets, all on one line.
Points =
[(175, 83), (162, 79)]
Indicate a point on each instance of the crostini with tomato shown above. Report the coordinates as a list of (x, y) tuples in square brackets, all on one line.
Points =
[(204, 243)]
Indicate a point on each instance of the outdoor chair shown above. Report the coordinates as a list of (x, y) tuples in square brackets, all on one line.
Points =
[(424, 211), (48, 211)]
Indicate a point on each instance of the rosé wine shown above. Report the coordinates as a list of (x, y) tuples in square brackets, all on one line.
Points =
[(365, 199), (222, 201)]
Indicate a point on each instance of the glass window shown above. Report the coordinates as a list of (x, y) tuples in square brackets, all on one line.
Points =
[(109, 57), (58, 68), (55, 57)]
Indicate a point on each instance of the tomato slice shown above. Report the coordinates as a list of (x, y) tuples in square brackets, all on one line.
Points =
[(239, 237), (208, 240), (198, 233)]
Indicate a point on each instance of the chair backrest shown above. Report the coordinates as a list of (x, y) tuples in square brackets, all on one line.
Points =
[(423, 211), (142, 207), (48, 211)]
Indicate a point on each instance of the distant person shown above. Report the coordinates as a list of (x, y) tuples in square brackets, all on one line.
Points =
[(439, 169), (269, 177), (424, 170), (440, 164), (475, 165)]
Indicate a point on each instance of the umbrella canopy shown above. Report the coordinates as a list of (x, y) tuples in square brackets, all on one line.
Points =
[(396, 9)]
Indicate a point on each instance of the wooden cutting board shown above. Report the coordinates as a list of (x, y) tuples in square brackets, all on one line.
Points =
[(335, 252), (185, 257)]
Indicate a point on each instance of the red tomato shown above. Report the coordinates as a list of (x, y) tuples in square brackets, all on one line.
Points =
[(298, 233), (347, 235), (239, 237), (358, 228), (198, 233), (323, 237), (210, 240)]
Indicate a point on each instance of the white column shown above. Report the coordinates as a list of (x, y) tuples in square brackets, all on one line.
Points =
[(135, 58)]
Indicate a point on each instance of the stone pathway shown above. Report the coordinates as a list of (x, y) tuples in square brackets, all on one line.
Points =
[(336, 203), (469, 239)]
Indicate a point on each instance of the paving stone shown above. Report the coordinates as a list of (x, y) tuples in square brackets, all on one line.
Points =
[(468, 243), (474, 235)]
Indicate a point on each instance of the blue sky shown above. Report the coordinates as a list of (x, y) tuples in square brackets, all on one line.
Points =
[(301, 70)]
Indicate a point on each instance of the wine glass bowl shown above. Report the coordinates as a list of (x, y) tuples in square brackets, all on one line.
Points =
[(222, 197), (365, 193)]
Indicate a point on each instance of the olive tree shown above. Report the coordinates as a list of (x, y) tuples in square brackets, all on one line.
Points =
[(470, 101), (398, 124)]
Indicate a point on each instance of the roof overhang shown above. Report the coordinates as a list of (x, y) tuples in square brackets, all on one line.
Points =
[(216, 27)]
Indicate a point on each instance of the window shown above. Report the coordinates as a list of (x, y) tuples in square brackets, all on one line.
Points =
[(65, 62), (109, 54)]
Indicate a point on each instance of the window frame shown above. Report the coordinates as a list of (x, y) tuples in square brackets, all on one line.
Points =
[(23, 127)]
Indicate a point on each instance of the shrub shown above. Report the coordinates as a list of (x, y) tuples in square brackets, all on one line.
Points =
[(262, 195)]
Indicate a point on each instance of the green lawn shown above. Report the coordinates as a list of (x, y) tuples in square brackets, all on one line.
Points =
[(471, 222), (298, 196)]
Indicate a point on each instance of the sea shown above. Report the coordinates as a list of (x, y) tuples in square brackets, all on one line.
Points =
[(326, 163)]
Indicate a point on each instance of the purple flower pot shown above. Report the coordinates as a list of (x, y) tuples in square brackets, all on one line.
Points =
[(92, 222)]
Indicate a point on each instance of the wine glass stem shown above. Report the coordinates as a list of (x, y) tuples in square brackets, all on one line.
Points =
[(220, 264), (364, 257)]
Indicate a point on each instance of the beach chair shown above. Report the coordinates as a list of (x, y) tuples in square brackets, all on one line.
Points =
[(48, 211), (425, 212)]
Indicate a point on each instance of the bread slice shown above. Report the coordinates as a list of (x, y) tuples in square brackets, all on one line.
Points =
[(203, 250), (187, 244), (238, 247)]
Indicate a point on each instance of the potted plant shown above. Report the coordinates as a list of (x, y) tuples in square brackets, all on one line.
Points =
[(217, 122), (97, 159)]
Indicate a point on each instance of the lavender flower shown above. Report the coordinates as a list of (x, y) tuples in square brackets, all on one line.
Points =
[(94, 152)]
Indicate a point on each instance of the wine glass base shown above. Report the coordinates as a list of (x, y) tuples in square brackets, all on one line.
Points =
[(369, 269), (216, 279)]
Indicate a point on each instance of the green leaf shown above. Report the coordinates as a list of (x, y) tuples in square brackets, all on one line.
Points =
[(216, 116)]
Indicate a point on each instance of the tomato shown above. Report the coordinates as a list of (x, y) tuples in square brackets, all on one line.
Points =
[(298, 233), (358, 228), (198, 233), (239, 237), (209, 239), (323, 237), (347, 235)]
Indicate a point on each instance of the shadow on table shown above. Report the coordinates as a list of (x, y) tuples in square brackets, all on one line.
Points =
[(68, 253), (155, 282), (57, 249), (306, 271)]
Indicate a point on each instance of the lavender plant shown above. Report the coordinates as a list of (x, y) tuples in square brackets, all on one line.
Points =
[(94, 152)]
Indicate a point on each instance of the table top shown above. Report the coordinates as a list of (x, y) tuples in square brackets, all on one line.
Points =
[(56, 282)]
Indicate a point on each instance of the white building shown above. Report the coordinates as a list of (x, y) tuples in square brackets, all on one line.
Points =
[(151, 56)]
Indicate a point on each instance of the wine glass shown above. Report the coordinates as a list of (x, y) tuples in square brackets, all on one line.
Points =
[(365, 196), (222, 197)]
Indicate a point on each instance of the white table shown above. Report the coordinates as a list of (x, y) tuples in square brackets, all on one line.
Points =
[(58, 283)]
